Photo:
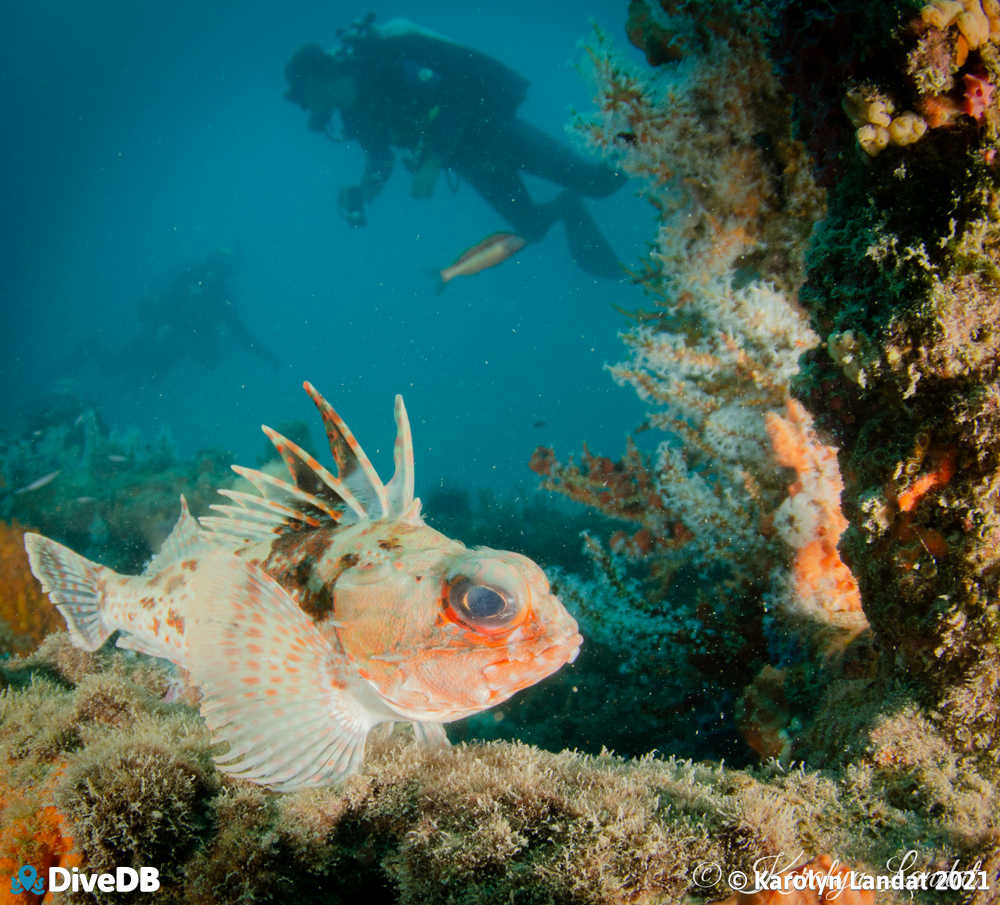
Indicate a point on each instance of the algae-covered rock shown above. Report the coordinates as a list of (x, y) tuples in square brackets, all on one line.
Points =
[(128, 780), (903, 286)]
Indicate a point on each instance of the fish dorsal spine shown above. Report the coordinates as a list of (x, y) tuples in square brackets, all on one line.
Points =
[(316, 497), (185, 541)]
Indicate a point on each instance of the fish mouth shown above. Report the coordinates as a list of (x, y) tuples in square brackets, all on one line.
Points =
[(526, 664), (564, 647)]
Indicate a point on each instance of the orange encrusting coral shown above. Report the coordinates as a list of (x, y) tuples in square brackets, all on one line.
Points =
[(938, 476), (812, 519), (32, 835), (27, 611), (915, 541)]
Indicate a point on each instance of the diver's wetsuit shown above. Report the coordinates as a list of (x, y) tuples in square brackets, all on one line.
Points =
[(453, 107)]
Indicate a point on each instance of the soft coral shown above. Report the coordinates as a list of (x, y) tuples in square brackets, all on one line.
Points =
[(978, 95)]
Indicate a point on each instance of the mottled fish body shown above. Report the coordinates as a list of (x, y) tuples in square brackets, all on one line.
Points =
[(493, 250), (317, 608)]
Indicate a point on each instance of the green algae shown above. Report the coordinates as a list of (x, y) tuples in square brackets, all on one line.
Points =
[(478, 823)]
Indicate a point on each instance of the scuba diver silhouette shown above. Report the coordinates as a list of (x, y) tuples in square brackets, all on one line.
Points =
[(451, 108), (186, 321)]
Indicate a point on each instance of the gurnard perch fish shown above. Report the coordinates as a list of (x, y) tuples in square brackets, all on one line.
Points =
[(313, 610)]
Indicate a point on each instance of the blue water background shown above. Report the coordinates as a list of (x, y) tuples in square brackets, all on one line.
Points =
[(141, 137)]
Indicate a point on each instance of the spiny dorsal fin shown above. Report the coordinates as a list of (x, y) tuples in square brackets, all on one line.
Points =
[(185, 541), (354, 469), (316, 497), (400, 489), (312, 477)]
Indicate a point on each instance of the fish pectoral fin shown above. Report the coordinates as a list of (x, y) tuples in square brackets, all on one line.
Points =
[(272, 687), (147, 646), (430, 735)]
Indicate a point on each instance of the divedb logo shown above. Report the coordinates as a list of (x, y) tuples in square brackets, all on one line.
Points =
[(61, 879)]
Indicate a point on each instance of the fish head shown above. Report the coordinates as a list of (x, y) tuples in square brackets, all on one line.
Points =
[(443, 638), (513, 243)]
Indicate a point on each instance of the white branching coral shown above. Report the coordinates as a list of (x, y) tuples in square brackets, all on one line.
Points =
[(713, 370), (726, 336), (710, 139)]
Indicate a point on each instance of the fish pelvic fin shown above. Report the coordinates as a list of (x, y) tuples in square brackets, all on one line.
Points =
[(316, 497), (430, 736), (272, 687), (74, 584)]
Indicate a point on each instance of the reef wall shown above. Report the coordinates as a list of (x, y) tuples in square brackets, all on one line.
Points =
[(748, 112), (903, 287), (732, 587)]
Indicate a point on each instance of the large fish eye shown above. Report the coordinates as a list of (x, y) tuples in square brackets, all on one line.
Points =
[(482, 606)]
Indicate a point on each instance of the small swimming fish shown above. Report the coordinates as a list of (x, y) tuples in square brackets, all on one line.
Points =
[(315, 609), (493, 250), (39, 483)]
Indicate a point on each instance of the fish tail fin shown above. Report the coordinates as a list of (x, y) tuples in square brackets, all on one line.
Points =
[(440, 283), (74, 584)]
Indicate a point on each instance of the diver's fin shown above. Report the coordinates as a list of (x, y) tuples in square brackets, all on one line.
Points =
[(74, 584), (271, 685), (587, 245), (185, 541)]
